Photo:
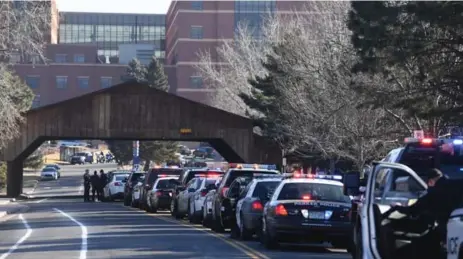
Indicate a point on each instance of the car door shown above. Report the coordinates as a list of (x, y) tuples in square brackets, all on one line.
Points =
[(183, 196), (241, 200), (388, 184)]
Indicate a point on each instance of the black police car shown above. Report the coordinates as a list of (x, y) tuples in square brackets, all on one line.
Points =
[(307, 209), (250, 205)]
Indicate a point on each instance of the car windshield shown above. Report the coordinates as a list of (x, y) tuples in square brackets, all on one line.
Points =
[(165, 184), (48, 169), (120, 178), (316, 191), (245, 173), (447, 157)]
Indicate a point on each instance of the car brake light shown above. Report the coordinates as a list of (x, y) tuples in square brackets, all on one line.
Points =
[(203, 192), (158, 193), (280, 210), (306, 197), (426, 141), (117, 184), (162, 175), (297, 175), (224, 190), (257, 205)]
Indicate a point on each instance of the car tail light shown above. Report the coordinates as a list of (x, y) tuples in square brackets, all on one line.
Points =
[(158, 193), (203, 192), (306, 197), (280, 210), (224, 190), (117, 184), (257, 206)]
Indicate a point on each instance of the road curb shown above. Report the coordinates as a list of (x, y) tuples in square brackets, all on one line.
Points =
[(5, 215)]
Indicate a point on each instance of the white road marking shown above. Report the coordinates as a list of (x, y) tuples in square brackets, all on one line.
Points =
[(65, 187), (83, 247), (42, 200), (20, 241), (47, 188)]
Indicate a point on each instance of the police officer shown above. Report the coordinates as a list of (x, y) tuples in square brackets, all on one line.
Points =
[(95, 180), (443, 196), (103, 182), (87, 183)]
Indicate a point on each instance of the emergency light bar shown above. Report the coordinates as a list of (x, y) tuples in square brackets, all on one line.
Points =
[(259, 175), (253, 166), (429, 141), (313, 176)]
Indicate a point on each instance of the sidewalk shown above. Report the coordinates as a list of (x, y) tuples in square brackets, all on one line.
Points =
[(7, 207)]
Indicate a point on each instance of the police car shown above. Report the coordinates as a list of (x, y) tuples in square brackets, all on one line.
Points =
[(206, 182), (250, 205), (455, 235), (221, 206), (307, 208), (207, 205)]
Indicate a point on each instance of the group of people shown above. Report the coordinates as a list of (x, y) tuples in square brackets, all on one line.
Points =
[(96, 183)]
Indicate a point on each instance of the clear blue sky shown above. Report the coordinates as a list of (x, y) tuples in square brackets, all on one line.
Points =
[(114, 6)]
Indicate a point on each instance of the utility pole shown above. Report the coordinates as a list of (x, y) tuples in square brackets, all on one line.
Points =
[(136, 155)]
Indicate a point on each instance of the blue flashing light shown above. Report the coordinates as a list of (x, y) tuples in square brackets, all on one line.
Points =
[(254, 166), (458, 141), (314, 176)]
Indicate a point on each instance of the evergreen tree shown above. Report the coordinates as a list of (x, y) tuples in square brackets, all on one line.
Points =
[(136, 71), (122, 150), (35, 160), (155, 76), (412, 40)]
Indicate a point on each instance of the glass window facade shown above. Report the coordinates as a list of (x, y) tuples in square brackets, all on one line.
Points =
[(36, 101), (82, 81), (79, 58), (108, 30), (60, 58), (61, 82), (197, 5), (251, 13), (33, 81), (106, 82), (196, 82), (196, 32)]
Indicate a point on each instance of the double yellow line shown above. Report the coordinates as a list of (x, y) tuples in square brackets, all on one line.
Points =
[(252, 253)]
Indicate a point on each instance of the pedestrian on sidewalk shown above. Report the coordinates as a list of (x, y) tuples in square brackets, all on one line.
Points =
[(95, 180), (87, 183)]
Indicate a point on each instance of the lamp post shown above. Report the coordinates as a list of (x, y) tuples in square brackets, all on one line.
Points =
[(136, 155)]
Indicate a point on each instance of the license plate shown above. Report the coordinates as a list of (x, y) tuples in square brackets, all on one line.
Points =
[(316, 215)]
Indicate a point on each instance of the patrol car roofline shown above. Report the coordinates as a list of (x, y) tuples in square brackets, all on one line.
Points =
[(404, 168)]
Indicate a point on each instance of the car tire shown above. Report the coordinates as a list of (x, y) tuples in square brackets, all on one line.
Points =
[(357, 252), (244, 233), (110, 197), (266, 239), (148, 207), (217, 225), (174, 210), (194, 218)]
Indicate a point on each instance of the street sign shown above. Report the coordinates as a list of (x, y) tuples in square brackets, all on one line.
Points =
[(185, 131), (419, 134)]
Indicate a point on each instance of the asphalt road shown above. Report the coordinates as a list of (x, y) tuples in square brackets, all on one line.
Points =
[(69, 228)]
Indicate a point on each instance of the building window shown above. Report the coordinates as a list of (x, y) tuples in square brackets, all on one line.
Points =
[(61, 82), (197, 5), (82, 81), (196, 32), (36, 101), (60, 58), (196, 82), (106, 82), (33, 81), (79, 58)]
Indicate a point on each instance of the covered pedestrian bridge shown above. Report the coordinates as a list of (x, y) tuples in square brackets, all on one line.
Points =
[(133, 111)]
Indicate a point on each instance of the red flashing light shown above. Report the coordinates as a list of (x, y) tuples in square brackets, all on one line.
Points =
[(306, 197), (257, 205), (426, 141), (280, 210), (297, 175), (224, 190)]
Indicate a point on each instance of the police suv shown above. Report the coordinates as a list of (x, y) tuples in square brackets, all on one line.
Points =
[(380, 233), (310, 208)]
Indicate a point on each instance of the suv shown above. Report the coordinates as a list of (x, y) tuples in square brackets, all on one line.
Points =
[(221, 206), (379, 232), (130, 182), (151, 176), (181, 186)]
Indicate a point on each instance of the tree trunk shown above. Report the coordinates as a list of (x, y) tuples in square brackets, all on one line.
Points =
[(147, 165)]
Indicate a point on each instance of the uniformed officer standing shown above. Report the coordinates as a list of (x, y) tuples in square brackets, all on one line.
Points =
[(87, 183), (95, 180)]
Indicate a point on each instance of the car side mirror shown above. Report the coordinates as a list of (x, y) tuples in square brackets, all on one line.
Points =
[(351, 181)]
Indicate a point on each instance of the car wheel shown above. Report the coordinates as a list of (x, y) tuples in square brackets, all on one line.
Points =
[(110, 197), (174, 209), (148, 204), (217, 225), (266, 239), (358, 248), (244, 233), (126, 200)]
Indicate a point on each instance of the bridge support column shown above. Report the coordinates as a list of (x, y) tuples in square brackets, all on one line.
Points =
[(14, 178)]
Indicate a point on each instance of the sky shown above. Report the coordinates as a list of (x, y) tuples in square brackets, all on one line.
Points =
[(114, 6)]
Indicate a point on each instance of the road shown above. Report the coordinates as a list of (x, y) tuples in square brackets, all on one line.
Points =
[(65, 227)]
